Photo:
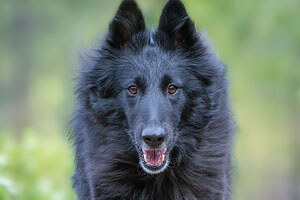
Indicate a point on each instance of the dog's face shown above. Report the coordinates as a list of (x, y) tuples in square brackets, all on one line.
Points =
[(153, 98), (150, 78)]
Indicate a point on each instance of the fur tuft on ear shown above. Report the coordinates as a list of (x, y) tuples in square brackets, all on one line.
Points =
[(176, 23), (127, 21)]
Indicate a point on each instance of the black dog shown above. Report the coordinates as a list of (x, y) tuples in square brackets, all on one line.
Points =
[(153, 121)]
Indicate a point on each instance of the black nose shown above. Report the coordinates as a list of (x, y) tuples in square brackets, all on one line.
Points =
[(154, 137), (154, 140)]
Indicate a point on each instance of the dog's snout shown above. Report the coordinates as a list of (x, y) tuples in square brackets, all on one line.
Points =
[(154, 137)]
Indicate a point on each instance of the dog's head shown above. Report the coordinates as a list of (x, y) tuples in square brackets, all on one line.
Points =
[(152, 83)]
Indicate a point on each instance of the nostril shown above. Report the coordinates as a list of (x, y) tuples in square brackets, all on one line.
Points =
[(147, 139), (160, 139)]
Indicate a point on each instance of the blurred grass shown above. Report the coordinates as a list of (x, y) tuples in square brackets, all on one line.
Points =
[(36, 167), (40, 41)]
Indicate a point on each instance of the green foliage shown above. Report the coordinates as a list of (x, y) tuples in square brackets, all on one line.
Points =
[(36, 167), (40, 44)]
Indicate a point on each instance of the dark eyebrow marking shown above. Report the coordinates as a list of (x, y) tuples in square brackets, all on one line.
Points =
[(165, 81), (141, 83)]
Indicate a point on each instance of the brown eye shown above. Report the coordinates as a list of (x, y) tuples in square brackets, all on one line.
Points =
[(132, 89), (172, 89)]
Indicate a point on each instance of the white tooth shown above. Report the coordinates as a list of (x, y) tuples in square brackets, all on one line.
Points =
[(145, 157), (163, 157)]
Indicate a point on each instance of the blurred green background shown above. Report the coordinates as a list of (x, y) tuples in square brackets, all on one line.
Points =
[(40, 43)]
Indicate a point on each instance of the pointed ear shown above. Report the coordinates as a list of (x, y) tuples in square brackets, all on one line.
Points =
[(127, 21), (176, 23)]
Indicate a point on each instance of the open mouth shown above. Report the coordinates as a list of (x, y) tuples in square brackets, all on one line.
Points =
[(154, 157), (155, 160)]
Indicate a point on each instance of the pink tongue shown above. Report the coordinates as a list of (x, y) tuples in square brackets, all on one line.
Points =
[(154, 157)]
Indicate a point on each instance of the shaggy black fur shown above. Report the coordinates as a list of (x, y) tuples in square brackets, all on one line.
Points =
[(108, 121)]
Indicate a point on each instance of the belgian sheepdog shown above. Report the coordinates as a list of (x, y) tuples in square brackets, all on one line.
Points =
[(152, 118)]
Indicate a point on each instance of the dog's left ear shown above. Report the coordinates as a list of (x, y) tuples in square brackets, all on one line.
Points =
[(127, 21), (176, 23)]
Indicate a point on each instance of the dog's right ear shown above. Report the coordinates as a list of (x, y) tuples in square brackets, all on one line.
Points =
[(127, 21)]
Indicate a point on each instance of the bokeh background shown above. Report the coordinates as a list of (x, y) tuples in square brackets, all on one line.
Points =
[(40, 42)]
